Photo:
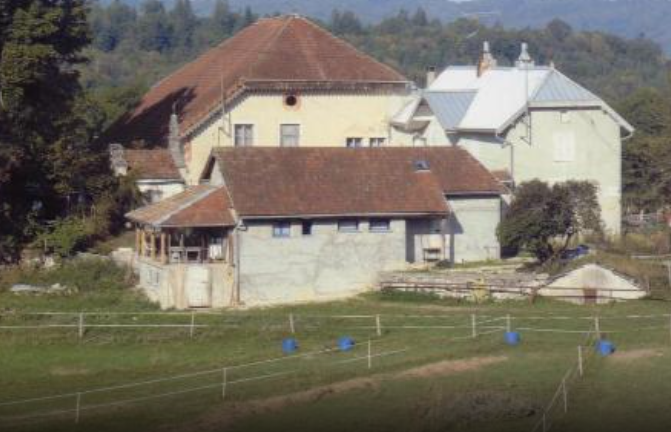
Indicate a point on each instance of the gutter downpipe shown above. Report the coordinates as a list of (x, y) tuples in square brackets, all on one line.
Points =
[(505, 141)]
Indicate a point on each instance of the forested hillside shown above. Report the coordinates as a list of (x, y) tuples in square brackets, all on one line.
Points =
[(629, 18)]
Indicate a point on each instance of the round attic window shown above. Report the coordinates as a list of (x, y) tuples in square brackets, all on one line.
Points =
[(291, 100)]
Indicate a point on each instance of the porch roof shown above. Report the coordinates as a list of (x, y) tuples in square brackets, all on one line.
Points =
[(198, 206)]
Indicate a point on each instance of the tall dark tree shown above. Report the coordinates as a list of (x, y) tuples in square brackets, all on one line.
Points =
[(154, 30), (41, 133)]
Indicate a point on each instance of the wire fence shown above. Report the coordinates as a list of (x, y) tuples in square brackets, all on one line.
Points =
[(385, 336)]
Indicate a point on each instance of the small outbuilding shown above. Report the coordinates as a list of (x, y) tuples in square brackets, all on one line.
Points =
[(593, 284)]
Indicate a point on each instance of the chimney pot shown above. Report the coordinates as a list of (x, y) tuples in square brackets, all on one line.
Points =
[(430, 75), (487, 60)]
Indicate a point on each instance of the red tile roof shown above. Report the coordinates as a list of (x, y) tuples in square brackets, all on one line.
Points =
[(151, 164), (287, 52), (198, 206), (281, 182)]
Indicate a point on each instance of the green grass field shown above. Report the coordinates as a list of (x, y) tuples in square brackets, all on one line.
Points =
[(425, 376)]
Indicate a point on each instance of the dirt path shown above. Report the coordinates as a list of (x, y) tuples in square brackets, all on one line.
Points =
[(633, 355), (223, 417)]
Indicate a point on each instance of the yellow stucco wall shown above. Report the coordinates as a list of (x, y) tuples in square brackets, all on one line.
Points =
[(325, 120)]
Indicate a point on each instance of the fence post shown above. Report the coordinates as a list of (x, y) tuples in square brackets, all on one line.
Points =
[(474, 329), (669, 326), (78, 405), (565, 394), (508, 324), (545, 422), (597, 328), (370, 358), (378, 325), (224, 373), (193, 324), (580, 365), (292, 325), (81, 325)]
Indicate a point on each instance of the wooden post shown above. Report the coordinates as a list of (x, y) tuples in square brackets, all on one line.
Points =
[(668, 269), (597, 328), (370, 358), (152, 239), (580, 365), (474, 329), (669, 326), (545, 422), (565, 394), (78, 406), (81, 325), (508, 324), (224, 373), (378, 325), (142, 241), (292, 325), (138, 242), (193, 324), (164, 255)]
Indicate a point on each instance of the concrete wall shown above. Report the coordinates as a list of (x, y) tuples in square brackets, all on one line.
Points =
[(327, 264), (472, 227), (324, 119), (174, 285)]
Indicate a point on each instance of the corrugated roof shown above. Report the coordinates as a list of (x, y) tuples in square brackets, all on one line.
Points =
[(282, 53), (450, 107), (283, 182), (559, 88), (198, 206)]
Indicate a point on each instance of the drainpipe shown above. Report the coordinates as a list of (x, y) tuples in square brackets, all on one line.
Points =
[(512, 154), (236, 260)]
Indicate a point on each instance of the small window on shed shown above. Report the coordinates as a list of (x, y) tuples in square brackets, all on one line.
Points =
[(348, 225), (421, 165), (282, 229), (380, 225)]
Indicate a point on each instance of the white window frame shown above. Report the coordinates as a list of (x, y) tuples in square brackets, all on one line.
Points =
[(379, 225), (247, 138), (348, 225), (282, 229), (354, 142), (283, 136), (377, 142)]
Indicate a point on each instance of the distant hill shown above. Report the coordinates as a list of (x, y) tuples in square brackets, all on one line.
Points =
[(629, 18)]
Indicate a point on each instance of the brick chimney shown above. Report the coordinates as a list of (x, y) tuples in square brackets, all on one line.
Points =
[(430, 75), (487, 60)]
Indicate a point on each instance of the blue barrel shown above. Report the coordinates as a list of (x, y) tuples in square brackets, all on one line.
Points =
[(345, 343), (513, 338), (605, 348), (289, 345)]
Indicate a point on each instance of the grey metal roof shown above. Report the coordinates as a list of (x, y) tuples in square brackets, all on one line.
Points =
[(559, 88), (450, 108)]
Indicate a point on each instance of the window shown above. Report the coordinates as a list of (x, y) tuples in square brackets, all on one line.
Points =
[(348, 225), (565, 116), (244, 135), (282, 229), (307, 228), (354, 142), (377, 142), (291, 100), (564, 147), (380, 225), (290, 135)]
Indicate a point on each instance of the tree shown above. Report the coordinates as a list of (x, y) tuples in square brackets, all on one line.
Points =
[(544, 219), (183, 24), (154, 30)]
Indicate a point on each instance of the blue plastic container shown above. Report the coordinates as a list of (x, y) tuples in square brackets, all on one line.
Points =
[(513, 338), (345, 343), (605, 348), (289, 345)]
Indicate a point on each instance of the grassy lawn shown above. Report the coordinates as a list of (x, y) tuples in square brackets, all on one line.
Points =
[(426, 378)]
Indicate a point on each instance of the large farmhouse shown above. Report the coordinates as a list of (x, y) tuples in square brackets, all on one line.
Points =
[(272, 225), (522, 122), (282, 81)]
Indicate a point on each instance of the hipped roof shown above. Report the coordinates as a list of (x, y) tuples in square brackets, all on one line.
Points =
[(198, 206), (285, 53)]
